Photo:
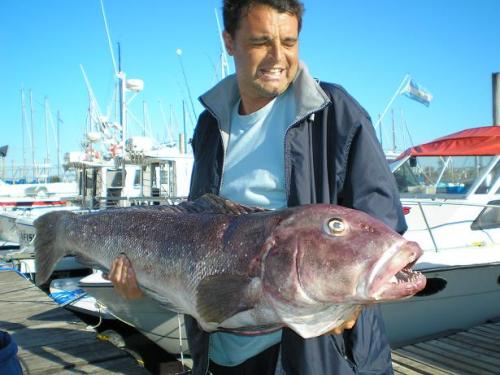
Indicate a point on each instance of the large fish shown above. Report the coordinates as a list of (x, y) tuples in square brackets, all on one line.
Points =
[(242, 269)]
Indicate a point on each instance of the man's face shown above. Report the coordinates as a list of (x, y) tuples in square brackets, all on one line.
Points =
[(265, 49)]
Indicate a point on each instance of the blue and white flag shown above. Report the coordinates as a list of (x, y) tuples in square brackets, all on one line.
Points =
[(414, 91)]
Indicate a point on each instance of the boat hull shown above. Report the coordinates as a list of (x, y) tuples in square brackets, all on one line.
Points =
[(459, 297), (163, 327)]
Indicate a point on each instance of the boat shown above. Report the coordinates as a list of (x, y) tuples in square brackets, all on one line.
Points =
[(450, 192), (154, 174), (37, 190), (23, 199), (164, 178), (164, 327), (67, 291)]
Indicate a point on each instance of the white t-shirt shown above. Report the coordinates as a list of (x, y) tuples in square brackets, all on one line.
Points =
[(254, 175)]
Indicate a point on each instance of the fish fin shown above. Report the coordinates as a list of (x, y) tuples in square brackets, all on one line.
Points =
[(219, 297), (210, 203), (47, 249)]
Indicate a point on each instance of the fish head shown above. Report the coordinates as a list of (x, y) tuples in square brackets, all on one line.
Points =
[(333, 254)]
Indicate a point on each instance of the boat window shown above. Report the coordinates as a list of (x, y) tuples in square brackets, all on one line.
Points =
[(490, 180), (440, 175), (167, 181), (489, 218), (137, 178), (114, 178)]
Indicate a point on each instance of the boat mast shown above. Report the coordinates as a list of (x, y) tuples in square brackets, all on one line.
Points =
[(224, 64), (179, 54), (123, 104), (32, 135), (45, 109), (58, 126), (496, 98), (393, 131), (380, 130), (23, 128)]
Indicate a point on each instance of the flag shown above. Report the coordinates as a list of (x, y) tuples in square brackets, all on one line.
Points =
[(414, 91), (3, 151)]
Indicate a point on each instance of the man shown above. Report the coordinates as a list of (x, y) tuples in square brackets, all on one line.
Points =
[(272, 136)]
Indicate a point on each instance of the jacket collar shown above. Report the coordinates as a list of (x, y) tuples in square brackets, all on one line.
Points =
[(221, 99)]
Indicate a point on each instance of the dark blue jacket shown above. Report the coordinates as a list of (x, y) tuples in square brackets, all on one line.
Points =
[(331, 156)]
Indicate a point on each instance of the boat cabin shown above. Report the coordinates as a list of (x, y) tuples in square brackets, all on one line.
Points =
[(450, 189)]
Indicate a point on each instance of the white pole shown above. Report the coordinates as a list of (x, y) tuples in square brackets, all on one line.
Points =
[(123, 109), (24, 131), (32, 135), (46, 123), (178, 51), (223, 57), (109, 38), (496, 98), (403, 83)]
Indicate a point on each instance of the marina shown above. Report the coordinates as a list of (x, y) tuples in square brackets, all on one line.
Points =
[(82, 186)]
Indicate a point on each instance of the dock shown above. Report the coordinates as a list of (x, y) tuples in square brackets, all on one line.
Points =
[(53, 340), (474, 351)]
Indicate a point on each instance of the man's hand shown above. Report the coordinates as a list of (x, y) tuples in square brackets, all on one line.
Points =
[(348, 324), (123, 277)]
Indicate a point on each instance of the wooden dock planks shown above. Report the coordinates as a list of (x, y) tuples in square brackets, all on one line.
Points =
[(475, 351), (52, 340)]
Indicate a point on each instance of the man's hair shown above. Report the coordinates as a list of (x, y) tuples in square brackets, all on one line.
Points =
[(234, 10)]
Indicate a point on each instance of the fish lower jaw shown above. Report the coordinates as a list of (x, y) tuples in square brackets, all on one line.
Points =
[(403, 284)]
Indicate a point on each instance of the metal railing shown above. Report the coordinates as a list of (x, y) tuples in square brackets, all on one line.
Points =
[(428, 228)]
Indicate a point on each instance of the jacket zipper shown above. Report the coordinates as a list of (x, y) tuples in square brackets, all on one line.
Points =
[(293, 124)]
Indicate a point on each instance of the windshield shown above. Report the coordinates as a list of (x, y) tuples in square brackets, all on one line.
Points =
[(436, 175)]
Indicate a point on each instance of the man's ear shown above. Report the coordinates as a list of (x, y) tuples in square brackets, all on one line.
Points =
[(228, 42)]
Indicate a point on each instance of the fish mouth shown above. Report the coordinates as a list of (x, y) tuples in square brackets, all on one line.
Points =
[(393, 276)]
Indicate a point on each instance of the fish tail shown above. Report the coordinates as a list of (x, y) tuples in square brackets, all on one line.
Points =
[(48, 249)]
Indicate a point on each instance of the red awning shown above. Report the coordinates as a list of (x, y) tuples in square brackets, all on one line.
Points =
[(476, 141)]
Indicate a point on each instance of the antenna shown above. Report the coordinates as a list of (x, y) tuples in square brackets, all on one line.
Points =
[(178, 51), (59, 121), (24, 130), (223, 56), (94, 104), (109, 37), (32, 135), (46, 125)]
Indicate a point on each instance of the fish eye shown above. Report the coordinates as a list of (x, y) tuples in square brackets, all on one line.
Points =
[(336, 226)]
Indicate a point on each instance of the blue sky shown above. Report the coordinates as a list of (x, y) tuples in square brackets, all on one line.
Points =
[(449, 47)]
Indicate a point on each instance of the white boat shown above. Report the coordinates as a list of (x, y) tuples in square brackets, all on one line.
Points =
[(153, 175), (19, 200), (450, 191), (38, 190), (67, 292), (163, 327)]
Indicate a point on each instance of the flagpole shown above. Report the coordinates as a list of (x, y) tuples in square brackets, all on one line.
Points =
[(403, 83)]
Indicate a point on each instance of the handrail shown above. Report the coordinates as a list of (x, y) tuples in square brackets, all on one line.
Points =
[(444, 203), (428, 227)]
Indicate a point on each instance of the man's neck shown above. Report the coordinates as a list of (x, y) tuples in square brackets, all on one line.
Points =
[(253, 105)]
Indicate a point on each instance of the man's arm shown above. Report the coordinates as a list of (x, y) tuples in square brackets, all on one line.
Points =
[(369, 185)]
